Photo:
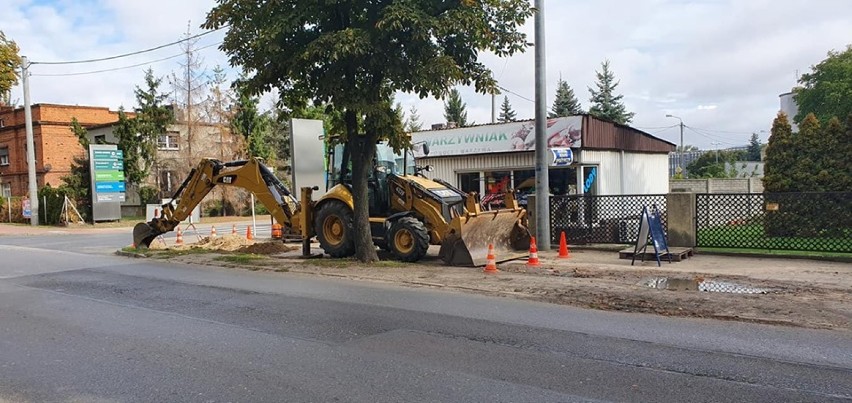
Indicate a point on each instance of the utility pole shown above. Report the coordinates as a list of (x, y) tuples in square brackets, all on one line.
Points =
[(31, 163), (680, 153), (493, 106), (542, 180)]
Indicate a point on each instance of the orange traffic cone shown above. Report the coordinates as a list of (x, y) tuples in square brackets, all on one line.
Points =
[(234, 229), (533, 260), (248, 233), (563, 247), (212, 231), (491, 262), (179, 239)]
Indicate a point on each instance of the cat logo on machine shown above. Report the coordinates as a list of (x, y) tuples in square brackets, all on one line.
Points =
[(399, 191), (228, 179)]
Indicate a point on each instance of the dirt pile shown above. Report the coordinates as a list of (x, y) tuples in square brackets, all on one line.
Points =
[(228, 243), (267, 248)]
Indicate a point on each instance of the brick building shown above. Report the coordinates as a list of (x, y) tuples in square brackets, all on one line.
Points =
[(55, 144), (175, 157)]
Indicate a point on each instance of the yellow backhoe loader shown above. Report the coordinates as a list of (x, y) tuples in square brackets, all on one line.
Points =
[(408, 211)]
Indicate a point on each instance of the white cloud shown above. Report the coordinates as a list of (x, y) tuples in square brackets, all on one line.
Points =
[(718, 64)]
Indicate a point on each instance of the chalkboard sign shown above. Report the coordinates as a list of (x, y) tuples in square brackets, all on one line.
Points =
[(651, 225)]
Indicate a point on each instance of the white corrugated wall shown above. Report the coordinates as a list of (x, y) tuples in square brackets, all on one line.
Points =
[(629, 173)]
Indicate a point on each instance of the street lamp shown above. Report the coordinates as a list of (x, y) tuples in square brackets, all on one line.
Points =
[(680, 158), (716, 146)]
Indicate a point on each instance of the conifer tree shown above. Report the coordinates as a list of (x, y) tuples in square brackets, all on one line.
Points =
[(606, 104), (455, 110), (566, 103), (780, 156), (507, 114)]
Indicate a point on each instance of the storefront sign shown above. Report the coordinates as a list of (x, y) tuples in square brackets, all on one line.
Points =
[(508, 137), (562, 157)]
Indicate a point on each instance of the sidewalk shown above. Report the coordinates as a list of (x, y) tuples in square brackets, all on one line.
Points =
[(221, 223)]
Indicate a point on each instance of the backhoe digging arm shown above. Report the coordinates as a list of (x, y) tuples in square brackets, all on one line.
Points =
[(250, 175)]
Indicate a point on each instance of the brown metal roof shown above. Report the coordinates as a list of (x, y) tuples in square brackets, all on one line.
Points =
[(604, 135)]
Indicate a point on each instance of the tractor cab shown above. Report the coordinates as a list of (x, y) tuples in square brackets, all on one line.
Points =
[(386, 164)]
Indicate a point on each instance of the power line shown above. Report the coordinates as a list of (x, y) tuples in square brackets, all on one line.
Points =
[(722, 131), (134, 53), (708, 136), (515, 94), (121, 68)]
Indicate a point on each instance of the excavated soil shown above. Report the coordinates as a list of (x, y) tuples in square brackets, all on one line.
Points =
[(802, 293)]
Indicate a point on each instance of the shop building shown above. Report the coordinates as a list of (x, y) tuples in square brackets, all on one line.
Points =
[(586, 155)]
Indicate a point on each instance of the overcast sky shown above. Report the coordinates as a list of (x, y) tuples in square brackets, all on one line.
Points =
[(718, 64)]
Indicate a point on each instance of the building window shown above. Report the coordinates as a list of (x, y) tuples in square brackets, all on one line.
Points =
[(100, 139), (4, 156), (562, 181), (168, 181), (2, 123), (469, 182), (168, 141), (6, 190)]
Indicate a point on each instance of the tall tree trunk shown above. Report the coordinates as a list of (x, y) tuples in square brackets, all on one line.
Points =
[(362, 154)]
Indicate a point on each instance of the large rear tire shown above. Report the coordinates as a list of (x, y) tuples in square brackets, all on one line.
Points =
[(408, 239), (334, 229)]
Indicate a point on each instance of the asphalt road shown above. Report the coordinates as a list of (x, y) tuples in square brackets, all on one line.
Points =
[(93, 327)]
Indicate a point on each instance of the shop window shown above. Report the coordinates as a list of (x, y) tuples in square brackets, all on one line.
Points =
[(4, 156), (469, 182), (496, 185), (168, 141), (590, 180), (562, 181)]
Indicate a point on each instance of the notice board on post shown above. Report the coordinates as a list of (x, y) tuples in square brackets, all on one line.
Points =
[(106, 164), (651, 231)]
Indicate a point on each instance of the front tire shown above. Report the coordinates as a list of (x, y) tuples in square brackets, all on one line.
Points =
[(408, 239), (335, 230)]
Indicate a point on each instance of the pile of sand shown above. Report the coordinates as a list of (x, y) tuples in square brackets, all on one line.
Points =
[(228, 243)]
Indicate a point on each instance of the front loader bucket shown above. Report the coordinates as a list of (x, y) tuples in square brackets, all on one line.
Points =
[(505, 230), (144, 234)]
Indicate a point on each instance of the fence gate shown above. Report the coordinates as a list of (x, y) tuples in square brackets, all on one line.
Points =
[(796, 221)]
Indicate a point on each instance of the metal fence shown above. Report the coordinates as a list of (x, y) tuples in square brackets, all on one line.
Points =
[(600, 219), (806, 221)]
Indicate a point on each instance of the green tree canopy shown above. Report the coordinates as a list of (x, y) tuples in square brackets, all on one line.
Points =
[(253, 126), (137, 136), (10, 64), (566, 103), (754, 148), (507, 114), (354, 55), (827, 90), (780, 155), (412, 122), (606, 104), (455, 110)]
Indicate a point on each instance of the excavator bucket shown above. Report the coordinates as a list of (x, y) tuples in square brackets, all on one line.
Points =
[(143, 234), (467, 243)]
